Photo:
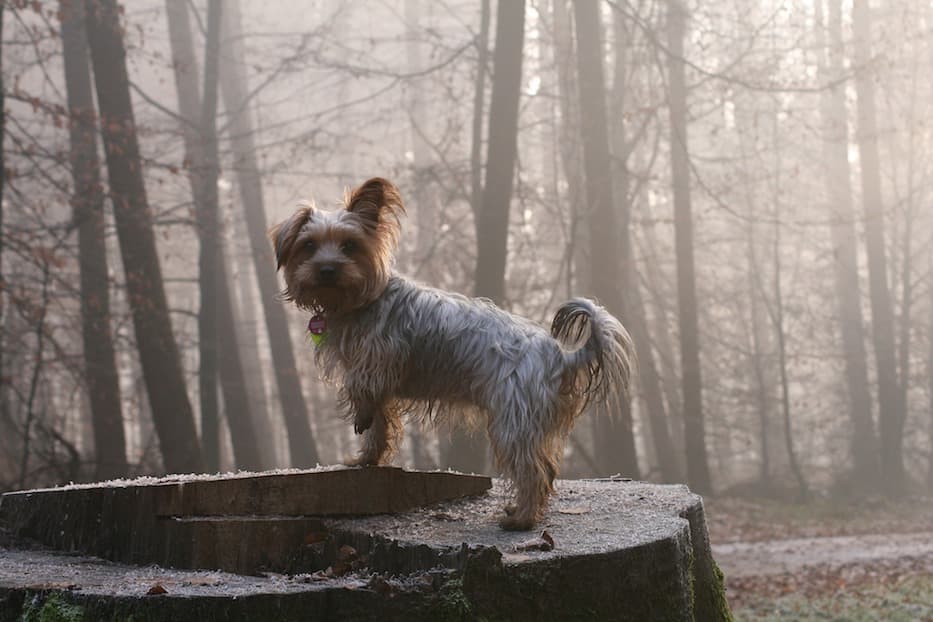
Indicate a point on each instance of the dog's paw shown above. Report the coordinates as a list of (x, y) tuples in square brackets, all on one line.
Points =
[(362, 422), (362, 461)]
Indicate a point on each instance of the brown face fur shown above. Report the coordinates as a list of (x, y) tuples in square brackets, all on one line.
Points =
[(335, 262)]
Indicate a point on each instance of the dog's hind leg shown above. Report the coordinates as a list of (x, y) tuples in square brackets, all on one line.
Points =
[(529, 461)]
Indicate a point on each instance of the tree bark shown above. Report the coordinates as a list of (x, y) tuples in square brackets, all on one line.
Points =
[(203, 170), (502, 151), (100, 367), (233, 83), (615, 440), (694, 428), (930, 385), (2, 189), (863, 448), (245, 305), (479, 104), (165, 385), (636, 318), (571, 151), (891, 407), (778, 318), (243, 431), (208, 255), (462, 450), (466, 453)]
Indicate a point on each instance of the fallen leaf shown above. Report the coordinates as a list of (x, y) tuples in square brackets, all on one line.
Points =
[(542, 543), (156, 590)]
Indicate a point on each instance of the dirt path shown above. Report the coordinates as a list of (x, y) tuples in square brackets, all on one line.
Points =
[(789, 556)]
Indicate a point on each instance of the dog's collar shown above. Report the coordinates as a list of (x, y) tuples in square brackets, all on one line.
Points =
[(317, 329)]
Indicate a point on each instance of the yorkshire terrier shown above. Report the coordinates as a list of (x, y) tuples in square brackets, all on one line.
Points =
[(397, 347)]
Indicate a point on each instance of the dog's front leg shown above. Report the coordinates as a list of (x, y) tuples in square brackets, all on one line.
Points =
[(380, 427)]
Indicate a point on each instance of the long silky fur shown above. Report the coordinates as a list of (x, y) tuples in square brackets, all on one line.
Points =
[(398, 348), (447, 358)]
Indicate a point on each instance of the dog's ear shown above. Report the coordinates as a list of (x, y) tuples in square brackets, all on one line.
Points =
[(378, 205), (284, 234)]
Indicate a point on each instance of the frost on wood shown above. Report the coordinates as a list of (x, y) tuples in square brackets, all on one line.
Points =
[(607, 549)]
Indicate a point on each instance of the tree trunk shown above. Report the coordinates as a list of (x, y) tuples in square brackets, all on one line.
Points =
[(863, 447), (165, 385), (6, 429), (502, 151), (103, 385), (233, 383), (615, 440), (778, 318), (462, 450), (201, 154), (208, 255), (635, 315), (660, 330), (479, 102), (930, 385), (493, 212), (2, 189), (245, 307), (425, 188), (571, 151), (694, 429), (891, 408), (303, 452), (906, 248), (424, 191), (762, 399)]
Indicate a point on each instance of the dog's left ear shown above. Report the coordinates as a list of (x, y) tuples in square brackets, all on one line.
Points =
[(283, 235), (378, 204)]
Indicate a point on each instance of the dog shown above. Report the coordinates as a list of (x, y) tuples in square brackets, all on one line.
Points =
[(396, 347)]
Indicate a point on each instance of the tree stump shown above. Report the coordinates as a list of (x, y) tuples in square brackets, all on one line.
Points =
[(360, 544)]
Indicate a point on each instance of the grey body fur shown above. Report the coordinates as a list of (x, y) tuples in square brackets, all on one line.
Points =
[(396, 347), (436, 355)]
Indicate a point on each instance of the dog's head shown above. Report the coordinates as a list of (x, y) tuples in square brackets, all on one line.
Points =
[(338, 261)]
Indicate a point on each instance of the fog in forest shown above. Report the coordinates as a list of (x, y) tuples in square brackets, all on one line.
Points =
[(744, 184)]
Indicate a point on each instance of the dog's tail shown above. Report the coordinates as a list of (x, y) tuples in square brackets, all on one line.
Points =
[(601, 368)]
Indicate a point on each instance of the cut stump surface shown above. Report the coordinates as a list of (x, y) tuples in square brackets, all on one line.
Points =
[(614, 550)]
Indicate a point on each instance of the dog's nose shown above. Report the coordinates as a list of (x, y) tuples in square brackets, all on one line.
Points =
[(327, 273)]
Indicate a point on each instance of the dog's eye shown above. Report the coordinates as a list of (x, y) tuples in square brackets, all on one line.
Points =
[(309, 246), (348, 247)]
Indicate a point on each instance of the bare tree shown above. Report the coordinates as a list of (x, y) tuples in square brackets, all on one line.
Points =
[(479, 104), (87, 200), (461, 449), (209, 255), (3, 412), (236, 94), (694, 427), (777, 317), (863, 447), (493, 214), (501, 154), (930, 384), (165, 385), (635, 315), (892, 412), (615, 440), (201, 155)]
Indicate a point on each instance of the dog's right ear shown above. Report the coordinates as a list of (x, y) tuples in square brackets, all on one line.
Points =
[(284, 234)]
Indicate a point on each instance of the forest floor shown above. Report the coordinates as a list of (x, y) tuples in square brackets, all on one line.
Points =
[(825, 561)]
